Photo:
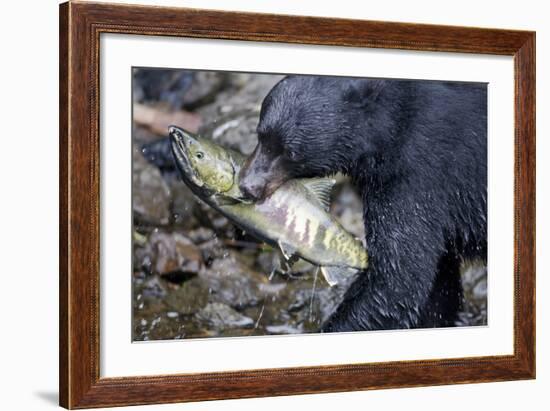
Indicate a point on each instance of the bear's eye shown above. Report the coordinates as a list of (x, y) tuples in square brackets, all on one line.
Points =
[(293, 155), (199, 155)]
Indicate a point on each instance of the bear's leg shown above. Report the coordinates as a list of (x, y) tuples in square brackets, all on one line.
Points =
[(446, 297), (372, 303), (405, 248), (377, 300)]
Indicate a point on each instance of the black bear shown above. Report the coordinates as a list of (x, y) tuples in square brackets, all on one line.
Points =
[(417, 152)]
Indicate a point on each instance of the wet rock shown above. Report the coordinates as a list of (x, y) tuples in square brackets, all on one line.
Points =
[(219, 222), (159, 153), (142, 258), (201, 235), (479, 291), (153, 85), (268, 262), (151, 288), (150, 194), (213, 249), (327, 301), (189, 297), (273, 264), (177, 88), (309, 302), (158, 119), (211, 218), (348, 208), (305, 308), (301, 299), (474, 284), (235, 112), (272, 288), (236, 131), (204, 88), (157, 326), (141, 135), (232, 283), (243, 92), (284, 329), (221, 316), (184, 203), (173, 252)]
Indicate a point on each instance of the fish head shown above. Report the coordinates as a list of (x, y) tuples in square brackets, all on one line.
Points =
[(205, 166)]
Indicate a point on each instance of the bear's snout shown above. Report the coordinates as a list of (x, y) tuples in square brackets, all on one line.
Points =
[(251, 188)]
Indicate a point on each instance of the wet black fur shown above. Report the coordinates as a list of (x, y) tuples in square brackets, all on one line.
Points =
[(417, 152)]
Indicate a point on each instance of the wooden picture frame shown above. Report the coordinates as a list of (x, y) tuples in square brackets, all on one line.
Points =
[(80, 27)]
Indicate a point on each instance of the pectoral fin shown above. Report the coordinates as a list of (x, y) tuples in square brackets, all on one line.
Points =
[(289, 256), (287, 250), (335, 275), (285, 266)]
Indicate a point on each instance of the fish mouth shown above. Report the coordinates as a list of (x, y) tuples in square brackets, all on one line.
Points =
[(180, 140)]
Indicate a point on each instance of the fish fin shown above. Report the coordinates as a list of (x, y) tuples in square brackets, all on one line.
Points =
[(293, 260), (286, 264), (283, 264), (335, 274), (321, 189), (287, 250)]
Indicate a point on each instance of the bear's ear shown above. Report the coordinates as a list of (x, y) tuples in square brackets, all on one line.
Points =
[(361, 93)]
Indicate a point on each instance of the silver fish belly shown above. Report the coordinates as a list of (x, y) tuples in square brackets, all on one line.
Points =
[(291, 217)]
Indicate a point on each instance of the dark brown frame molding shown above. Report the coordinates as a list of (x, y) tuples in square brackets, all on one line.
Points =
[(80, 27)]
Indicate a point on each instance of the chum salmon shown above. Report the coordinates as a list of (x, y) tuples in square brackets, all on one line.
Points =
[(295, 218)]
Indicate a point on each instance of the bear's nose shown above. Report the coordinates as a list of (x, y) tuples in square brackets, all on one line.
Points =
[(250, 189)]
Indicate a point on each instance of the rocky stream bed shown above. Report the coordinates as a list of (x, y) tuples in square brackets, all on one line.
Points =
[(194, 273)]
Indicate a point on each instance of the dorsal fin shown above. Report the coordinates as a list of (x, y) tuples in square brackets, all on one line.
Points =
[(321, 189)]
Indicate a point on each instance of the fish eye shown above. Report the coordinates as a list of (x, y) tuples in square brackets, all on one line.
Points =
[(199, 155)]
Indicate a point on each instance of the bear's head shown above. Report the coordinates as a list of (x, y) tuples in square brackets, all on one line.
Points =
[(315, 126)]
